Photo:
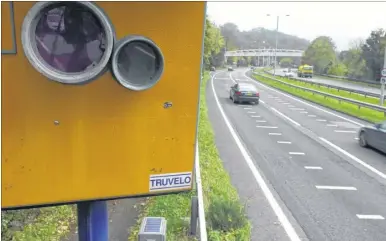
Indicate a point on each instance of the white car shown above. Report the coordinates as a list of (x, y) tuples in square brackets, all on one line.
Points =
[(289, 74)]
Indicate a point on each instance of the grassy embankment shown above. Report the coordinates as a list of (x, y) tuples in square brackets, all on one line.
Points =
[(351, 109), (225, 216)]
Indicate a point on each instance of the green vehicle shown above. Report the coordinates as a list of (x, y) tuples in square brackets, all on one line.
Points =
[(306, 71)]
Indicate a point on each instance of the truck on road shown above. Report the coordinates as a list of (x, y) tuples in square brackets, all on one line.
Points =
[(305, 71)]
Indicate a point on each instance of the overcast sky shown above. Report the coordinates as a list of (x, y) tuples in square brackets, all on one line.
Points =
[(343, 21)]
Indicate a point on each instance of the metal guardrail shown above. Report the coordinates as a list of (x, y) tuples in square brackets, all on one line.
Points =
[(197, 208), (361, 92), (340, 98), (351, 79)]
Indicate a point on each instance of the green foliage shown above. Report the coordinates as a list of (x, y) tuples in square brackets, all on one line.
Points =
[(286, 62), (213, 42), (37, 224), (373, 51), (321, 54), (226, 215), (338, 69)]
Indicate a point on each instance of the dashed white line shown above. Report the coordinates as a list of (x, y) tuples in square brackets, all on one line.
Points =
[(321, 120), (337, 188), (332, 125), (286, 103), (296, 108), (284, 142), (247, 108), (304, 112), (286, 117), (255, 116), (297, 153), (311, 115), (283, 220), (267, 127), (342, 131), (379, 173), (356, 138), (251, 112), (291, 106), (261, 121), (313, 168), (366, 216), (305, 103), (274, 134)]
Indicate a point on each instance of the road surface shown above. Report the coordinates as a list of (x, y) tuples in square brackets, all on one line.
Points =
[(298, 166), (337, 83)]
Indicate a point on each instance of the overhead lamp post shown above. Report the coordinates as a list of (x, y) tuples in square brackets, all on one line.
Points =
[(277, 31)]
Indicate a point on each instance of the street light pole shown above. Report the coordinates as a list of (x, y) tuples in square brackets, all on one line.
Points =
[(277, 30)]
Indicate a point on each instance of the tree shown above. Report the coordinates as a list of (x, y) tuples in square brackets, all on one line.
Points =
[(373, 52), (286, 62), (213, 42), (321, 54)]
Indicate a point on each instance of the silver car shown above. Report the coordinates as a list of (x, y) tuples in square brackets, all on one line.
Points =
[(374, 136)]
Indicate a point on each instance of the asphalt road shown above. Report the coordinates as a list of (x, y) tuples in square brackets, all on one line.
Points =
[(299, 166), (337, 83)]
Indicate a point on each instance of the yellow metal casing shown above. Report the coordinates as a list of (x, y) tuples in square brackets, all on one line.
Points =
[(68, 143)]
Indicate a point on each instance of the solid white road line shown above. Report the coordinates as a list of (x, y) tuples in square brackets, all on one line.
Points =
[(274, 134), (268, 127), (337, 188), (303, 102), (313, 168), (366, 216), (379, 173), (341, 131), (286, 117), (259, 179), (297, 153), (284, 142)]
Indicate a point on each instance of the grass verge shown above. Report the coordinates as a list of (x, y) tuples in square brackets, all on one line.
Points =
[(37, 224), (375, 85), (347, 108), (226, 220), (332, 91)]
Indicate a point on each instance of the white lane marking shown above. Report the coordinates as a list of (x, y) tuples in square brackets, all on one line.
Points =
[(255, 116), (259, 179), (261, 121), (284, 142), (230, 76), (313, 168), (297, 153), (332, 125), (341, 131), (356, 138), (366, 216), (296, 108), (222, 78), (237, 79), (262, 101), (303, 102), (247, 108), (379, 173), (286, 117), (267, 127), (337, 188), (311, 115), (274, 134), (321, 120), (286, 103), (291, 106), (251, 112), (304, 112)]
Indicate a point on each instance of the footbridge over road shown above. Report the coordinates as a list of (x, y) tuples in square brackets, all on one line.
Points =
[(264, 53)]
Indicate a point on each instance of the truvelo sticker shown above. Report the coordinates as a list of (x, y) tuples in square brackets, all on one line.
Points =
[(170, 181)]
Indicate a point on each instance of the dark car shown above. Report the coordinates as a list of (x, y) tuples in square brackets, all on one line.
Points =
[(230, 68), (212, 68), (244, 93), (374, 136)]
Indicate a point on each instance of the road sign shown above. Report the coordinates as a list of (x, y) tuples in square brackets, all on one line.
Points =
[(383, 72), (104, 139), (383, 80)]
